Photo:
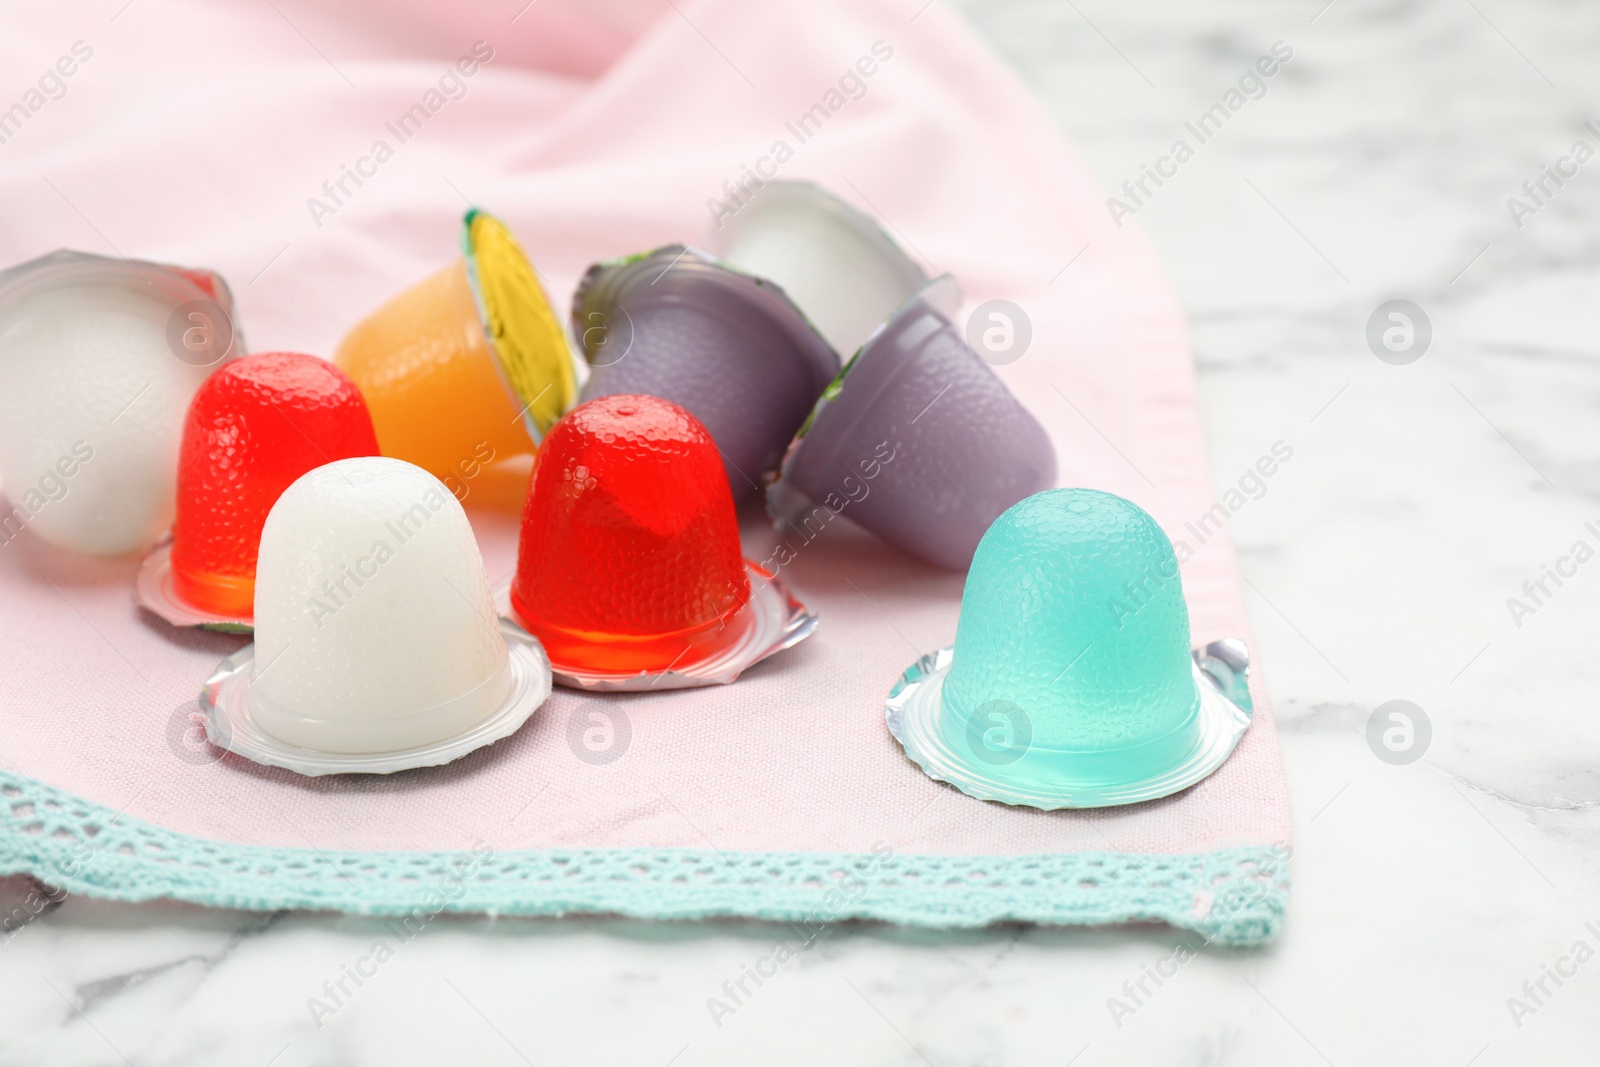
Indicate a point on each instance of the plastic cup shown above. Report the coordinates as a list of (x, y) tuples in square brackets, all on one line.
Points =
[(1071, 682), (628, 567), (99, 358), (917, 441), (375, 630), (629, 555), (469, 363), (837, 264), (253, 428), (728, 348)]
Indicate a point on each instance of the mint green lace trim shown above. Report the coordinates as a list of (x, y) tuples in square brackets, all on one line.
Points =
[(1232, 896)]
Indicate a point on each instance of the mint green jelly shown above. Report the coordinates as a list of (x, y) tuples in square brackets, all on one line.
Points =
[(1071, 682), (1071, 667)]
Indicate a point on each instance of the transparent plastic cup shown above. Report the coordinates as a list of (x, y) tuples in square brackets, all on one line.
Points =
[(471, 362), (836, 263), (1071, 682), (728, 348), (99, 358), (917, 441), (629, 565), (253, 428)]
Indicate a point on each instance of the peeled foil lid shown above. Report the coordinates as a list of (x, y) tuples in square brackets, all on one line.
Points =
[(772, 620), (527, 337), (913, 713), (230, 723)]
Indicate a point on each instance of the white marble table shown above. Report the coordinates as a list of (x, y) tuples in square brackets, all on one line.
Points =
[(1380, 563)]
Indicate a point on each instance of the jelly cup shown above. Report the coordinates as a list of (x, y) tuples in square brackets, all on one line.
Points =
[(468, 363), (728, 348), (629, 568), (98, 360), (254, 427), (377, 646), (917, 441), (837, 264), (1071, 683)]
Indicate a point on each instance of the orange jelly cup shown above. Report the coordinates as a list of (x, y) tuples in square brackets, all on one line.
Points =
[(629, 557), (465, 371), (253, 427)]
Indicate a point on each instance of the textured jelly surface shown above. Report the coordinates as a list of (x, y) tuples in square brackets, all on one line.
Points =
[(701, 340), (253, 428), (429, 378), (372, 605), (1074, 612), (629, 541), (963, 448), (91, 411)]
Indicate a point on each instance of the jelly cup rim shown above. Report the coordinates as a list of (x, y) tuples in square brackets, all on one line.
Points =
[(942, 297), (608, 283), (772, 620), (65, 268), (156, 592), (230, 724), (914, 715), (809, 194), (480, 301)]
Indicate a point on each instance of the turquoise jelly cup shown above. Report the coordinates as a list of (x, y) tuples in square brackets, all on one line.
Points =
[(1071, 682)]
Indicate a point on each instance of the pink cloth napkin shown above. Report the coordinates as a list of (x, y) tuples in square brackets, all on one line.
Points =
[(204, 133)]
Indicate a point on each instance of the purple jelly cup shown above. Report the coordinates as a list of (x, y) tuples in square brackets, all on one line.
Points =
[(726, 346), (916, 441)]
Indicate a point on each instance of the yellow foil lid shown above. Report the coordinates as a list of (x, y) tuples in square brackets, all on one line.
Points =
[(527, 338)]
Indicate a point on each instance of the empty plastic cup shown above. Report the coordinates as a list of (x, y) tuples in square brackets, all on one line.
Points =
[(253, 428), (728, 348), (629, 563), (837, 264), (469, 363), (375, 629), (1071, 682), (98, 360), (917, 441)]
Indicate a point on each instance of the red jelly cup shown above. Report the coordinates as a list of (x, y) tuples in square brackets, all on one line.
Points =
[(628, 566), (253, 428)]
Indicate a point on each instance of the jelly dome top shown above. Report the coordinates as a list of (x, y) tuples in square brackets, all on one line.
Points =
[(375, 628), (1073, 611), (629, 527)]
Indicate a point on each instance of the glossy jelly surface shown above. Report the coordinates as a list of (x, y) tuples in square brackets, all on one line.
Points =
[(375, 630), (1073, 613), (629, 554), (734, 353), (254, 427), (425, 367)]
